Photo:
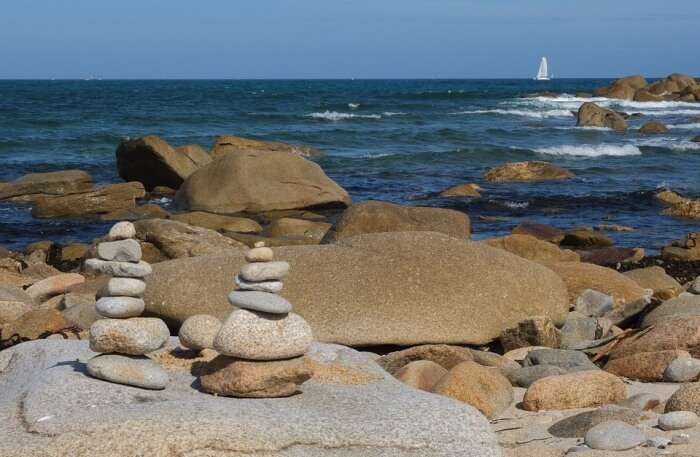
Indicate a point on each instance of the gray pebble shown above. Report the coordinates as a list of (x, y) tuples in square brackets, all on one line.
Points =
[(121, 269), (263, 302), (137, 371), (682, 369), (198, 331), (120, 251), (124, 287), (614, 436), (678, 420), (122, 231), (273, 287), (120, 307), (264, 271)]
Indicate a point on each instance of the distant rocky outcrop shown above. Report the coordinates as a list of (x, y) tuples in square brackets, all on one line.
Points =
[(592, 115), (674, 87), (530, 171)]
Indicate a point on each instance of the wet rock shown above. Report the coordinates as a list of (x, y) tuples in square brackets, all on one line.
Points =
[(540, 231), (592, 115), (585, 238), (653, 128), (531, 171), (229, 144), (35, 185), (462, 190)]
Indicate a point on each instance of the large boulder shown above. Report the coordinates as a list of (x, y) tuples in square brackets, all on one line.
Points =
[(529, 247), (385, 288), (34, 185), (579, 276), (177, 239), (229, 144), (375, 217), (656, 279), (530, 171), (653, 127), (592, 115), (350, 408), (102, 200), (259, 181), (624, 88), (153, 162), (680, 333), (683, 306)]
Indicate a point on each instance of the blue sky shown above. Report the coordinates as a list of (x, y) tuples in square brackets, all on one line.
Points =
[(343, 39)]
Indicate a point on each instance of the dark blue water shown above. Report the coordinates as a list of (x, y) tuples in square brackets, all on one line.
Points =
[(396, 140)]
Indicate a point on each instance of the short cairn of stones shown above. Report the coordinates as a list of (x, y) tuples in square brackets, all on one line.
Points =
[(261, 345), (122, 337)]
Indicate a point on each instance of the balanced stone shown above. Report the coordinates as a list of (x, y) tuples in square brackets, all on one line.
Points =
[(122, 231), (122, 269), (128, 287), (264, 302), (264, 271), (120, 307), (261, 254), (198, 331), (135, 371), (614, 436), (135, 336), (261, 336), (120, 251), (263, 286), (678, 420)]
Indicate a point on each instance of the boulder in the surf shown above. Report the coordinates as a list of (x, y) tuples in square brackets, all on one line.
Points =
[(530, 171)]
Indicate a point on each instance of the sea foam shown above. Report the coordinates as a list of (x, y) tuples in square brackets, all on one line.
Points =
[(336, 116), (520, 112), (591, 150)]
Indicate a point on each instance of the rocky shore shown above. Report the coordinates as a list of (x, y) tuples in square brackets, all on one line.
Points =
[(309, 325)]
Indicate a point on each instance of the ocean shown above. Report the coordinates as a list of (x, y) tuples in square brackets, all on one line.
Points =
[(397, 140)]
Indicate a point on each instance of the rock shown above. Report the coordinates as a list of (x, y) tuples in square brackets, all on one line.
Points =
[(579, 328), (686, 398), (518, 355), (407, 304), (272, 287), (119, 307), (135, 336), (101, 200), (694, 287), (218, 222), (537, 331), (259, 254), (641, 402), (259, 181), (264, 302), (198, 332), (685, 305), (668, 197), (122, 231), (137, 371), (81, 312), (34, 324), (681, 438), (614, 436), (127, 287), (685, 250), (688, 209), (529, 247), (585, 237), (250, 240), (525, 376), (287, 227), (653, 127), (635, 82), (678, 420), (592, 115), (421, 374), (612, 255), (40, 271), (11, 278), (120, 251), (261, 336), (462, 190), (628, 311), (644, 95), (147, 211), (491, 359), (484, 388), (153, 162), (655, 278), (567, 359), (34, 185), (327, 416), (229, 144), (74, 252), (234, 377), (177, 240), (264, 271), (582, 389), (122, 269), (442, 354), (593, 303), (644, 366), (683, 369), (376, 217), (681, 333), (576, 426), (579, 276), (530, 171), (13, 303), (540, 231), (54, 285)]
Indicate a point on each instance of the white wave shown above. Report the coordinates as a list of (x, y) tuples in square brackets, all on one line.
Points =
[(378, 155), (663, 108), (670, 143), (516, 205), (694, 126), (353, 105), (336, 116), (393, 113), (596, 150), (520, 112), (585, 127)]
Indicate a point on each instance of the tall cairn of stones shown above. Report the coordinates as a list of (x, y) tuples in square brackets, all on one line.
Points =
[(122, 337), (261, 345)]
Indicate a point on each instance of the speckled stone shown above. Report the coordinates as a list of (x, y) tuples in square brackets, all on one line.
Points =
[(119, 307), (264, 271), (122, 231), (678, 420), (273, 287), (683, 369), (135, 336), (263, 302), (261, 254), (127, 287), (614, 436), (137, 371), (120, 250), (198, 331), (121, 269)]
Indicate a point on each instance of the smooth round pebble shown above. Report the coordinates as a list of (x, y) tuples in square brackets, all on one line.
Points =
[(682, 369), (678, 420), (614, 436), (122, 231), (120, 250), (263, 302), (137, 371), (273, 287), (198, 331), (121, 269), (261, 254), (264, 271), (124, 287), (134, 336), (120, 307)]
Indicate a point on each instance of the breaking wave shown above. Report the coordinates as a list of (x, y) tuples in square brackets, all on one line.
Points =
[(336, 116), (520, 112), (591, 150)]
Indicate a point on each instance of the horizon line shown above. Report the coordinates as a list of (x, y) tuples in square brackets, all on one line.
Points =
[(168, 78)]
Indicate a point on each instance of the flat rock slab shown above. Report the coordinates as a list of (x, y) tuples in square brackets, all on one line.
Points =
[(50, 408)]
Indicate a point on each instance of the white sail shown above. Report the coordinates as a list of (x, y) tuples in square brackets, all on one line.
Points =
[(543, 72)]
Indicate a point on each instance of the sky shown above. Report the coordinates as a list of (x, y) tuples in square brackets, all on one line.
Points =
[(346, 38)]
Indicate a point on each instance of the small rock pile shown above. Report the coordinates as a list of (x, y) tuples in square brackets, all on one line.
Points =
[(123, 338), (262, 344)]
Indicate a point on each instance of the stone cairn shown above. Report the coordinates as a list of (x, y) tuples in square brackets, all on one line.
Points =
[(261, 345), (122, 337)]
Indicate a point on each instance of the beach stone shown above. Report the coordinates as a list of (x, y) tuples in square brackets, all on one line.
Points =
[(218, 222), (628, 311), (529, 247), (694, 287), (263, 302), (119, 307), (686, 398), (484, 388), (444, 355), (121, 269), (612, 255), (74, 252), (145, 211), (272, 287), (14, 302), (137, 371), (641, 402), (682, 369), (525, 376), (592, 115), (261, 336), (33, 324), (55, 285), (542, 232), (668, 335), (594, 303), (653, 127), (644, 366), (100, 200), (28, 187), (81, 314), (127, 287), (579, 328), (518, 355), (264, 271), (582, 389), (421, 374), (259, 181), (259, 254), (198, 332), (687, 305), (427, 295), (376, 217), (134, 336), (537, 331), (678, 420), (680, 438), (120, 251), (563, 358), (658, 442), (576, 426), (530, 171), (655, 278), (234, 377), (614, 436), (122, 231)]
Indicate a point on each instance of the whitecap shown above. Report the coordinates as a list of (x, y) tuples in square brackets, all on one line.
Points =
[(519, 112), (516, 205), (353, 105), (378, 155), (336, 116), (393, 113), (694, 126), (595, 150), (670, 143)]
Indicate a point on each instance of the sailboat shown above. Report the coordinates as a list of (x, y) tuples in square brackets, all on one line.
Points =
[(543, 73)]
